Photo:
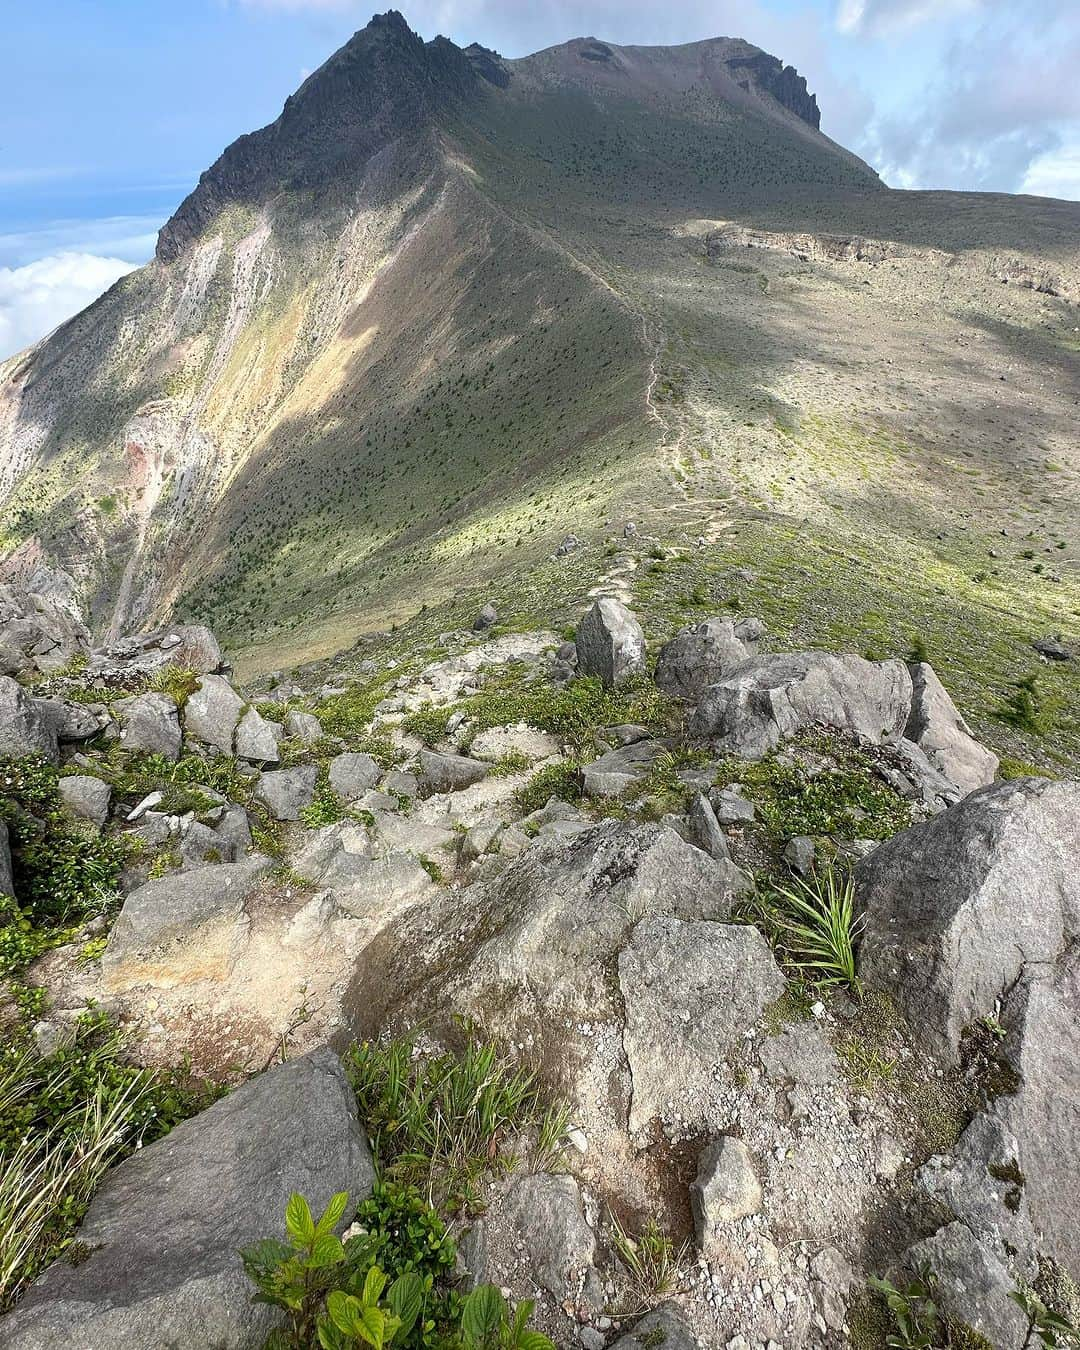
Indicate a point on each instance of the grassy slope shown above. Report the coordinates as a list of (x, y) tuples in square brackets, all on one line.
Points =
[(871, 452)]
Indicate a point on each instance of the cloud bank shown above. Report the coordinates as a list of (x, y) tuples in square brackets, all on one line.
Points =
[(37, 297)]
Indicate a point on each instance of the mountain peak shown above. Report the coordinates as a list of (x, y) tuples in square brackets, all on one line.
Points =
[(385, 82)]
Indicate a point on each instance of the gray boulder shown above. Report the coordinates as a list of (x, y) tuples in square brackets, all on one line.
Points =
[(85, 797), (936, 727), (449, 773), (285, 792), (201, 847), (166, 913), (973, 1286), (163, 1233), (958, 907), (304, 726), (692, 989), (542, 1215), (751, 711), (1052, 648), (258, 739), (705, 830), (73, 722), (699, 656), (212, 712), (726, 1188), (487, 618), (150, 723), (401, 784), (730, 806), (610, 643), (23, 730), (614, 773), (233, 829), (665, 1327), (351, 775), (799, 854)]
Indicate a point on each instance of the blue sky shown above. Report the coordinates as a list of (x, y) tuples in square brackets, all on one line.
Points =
[(110, 110)]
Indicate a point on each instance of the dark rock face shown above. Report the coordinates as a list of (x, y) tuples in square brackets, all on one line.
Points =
[(385, 82), (164, 1230), (784, 83), (488, 64)]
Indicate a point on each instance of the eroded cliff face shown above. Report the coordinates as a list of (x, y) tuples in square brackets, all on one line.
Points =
[(784, 83)]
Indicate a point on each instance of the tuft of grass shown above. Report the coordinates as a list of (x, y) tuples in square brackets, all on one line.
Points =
[(64, 1120), (818, 928), (553, 780), (651, 1262), (438, 1122), (177, 683)]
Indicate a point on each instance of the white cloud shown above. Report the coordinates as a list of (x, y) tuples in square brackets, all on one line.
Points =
[(883, 16), (110, 236), (35, 298), (1055, 174)]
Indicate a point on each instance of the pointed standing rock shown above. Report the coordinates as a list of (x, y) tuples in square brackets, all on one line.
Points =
[(610, 642)]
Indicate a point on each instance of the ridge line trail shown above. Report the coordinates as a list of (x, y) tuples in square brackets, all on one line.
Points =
[(668, 449)]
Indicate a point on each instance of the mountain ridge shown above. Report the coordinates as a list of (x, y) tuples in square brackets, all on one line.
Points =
[(381, 368)]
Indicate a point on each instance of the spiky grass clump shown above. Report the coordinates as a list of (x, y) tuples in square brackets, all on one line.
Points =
[(437, 1122), (818, 928)]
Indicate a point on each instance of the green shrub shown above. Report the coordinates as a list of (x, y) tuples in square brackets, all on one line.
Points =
[(326, 807), (570, 711), (64, 873), (553, 780), (844, 797), (1027, 708), (332, 1291)]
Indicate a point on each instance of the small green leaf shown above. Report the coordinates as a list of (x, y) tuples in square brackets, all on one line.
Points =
[(534, 1340), (298, 1221), (326, 1250), (483, 1313), (374, 1284), (333, 1212), (406, 1299)]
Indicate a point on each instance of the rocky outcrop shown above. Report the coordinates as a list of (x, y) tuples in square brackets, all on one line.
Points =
[(703, 654), (162, 1235), (937, 728), (1041, 1017), (152, 941), (38, 633), (784, 83), (691, 989), (958, 908), (761, 704)]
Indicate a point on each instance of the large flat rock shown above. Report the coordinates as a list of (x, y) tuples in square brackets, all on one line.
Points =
[(165, 1228)]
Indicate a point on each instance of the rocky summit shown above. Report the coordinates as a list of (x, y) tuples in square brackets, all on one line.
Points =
[(538, 732)]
